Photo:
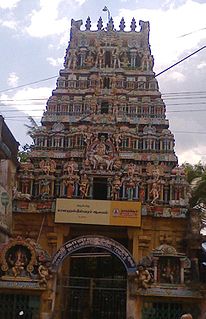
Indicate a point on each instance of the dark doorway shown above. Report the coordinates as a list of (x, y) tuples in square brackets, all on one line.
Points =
[(106, 83), (104, 108), (108, 59), (100, 188), (96, 287)]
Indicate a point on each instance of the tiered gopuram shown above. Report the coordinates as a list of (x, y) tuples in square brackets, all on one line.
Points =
[(102, 191)]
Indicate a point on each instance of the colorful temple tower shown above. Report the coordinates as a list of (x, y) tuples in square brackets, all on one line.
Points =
[(101, 212)]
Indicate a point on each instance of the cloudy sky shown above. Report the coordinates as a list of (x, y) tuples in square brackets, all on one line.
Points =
[(34, 36)]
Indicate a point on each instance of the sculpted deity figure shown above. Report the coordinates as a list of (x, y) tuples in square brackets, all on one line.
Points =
[(143, 277), (115, 58), (101, 154), (147, 62), (117, 140), (48, 166), (70, 186), (100, 58), (116, 186), (70, 166), (19, 262), (142, 193), (88, 137), (101, 147), (168, 273), (131, 169), (130, 187), (44, 274), (84, 186), (72, 60), (19, 195), (154, 192), (45, 187), (89, 60), (113, 81), (124, 60), (70, 177)]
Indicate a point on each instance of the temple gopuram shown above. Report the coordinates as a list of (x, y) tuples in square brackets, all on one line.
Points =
[(102, 226)]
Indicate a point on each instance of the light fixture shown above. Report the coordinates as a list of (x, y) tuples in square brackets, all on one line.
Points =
[(105, 9)]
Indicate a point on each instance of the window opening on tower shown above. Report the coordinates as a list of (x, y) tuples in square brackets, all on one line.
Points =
[(106, 83), (104, 107), (100, 188), (108, 59)]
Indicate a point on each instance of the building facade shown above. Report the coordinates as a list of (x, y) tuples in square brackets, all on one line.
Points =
[(101, 220), (8, 165)]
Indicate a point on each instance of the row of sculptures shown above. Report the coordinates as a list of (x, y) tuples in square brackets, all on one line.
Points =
[(101, 57), (25, 258), (122, 183)]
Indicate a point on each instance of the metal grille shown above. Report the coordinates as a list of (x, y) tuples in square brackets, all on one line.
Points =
[(94, 298), (169, 310), (14, 306)]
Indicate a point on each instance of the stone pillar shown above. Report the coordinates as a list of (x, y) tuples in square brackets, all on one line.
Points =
[(91, 187), (161, 192), (136, 192), (134, 306), (123, 191), (135, 247), (171, 191), (182, 279), (109, 182), (155, 269)]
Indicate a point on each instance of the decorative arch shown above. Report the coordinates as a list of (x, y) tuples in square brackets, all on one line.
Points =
[(88, 241)]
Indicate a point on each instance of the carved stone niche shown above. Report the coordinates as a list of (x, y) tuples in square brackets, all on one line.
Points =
[(169, 265), (24, 260)]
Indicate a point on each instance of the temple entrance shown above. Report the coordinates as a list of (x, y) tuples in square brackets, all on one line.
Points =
[(96, 287), (93, 283)]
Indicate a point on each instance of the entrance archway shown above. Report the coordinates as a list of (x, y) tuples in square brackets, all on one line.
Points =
[(88, 241), (92, 297)]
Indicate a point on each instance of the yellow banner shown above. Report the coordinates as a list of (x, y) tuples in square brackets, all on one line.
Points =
[(98, 212)]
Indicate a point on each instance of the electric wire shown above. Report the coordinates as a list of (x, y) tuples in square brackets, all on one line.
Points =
[(165, 95), (31, 83)]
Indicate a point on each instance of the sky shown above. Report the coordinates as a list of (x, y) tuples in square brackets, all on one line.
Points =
[(34, 35)]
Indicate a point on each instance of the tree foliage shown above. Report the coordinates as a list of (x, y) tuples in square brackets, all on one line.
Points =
[(23, 155), (196, 176)]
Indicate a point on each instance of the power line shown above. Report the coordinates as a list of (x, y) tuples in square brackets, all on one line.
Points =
[(163, 94), (184, 92), (180, 61), (22, 110), (187, 103), (185, 98), (186, 34), (23, 85), (182, 111), (188, 132), (30, 99), (37, 110), (168, 105)]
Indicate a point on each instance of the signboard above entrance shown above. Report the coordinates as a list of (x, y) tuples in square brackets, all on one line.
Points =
[(98, 212)]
